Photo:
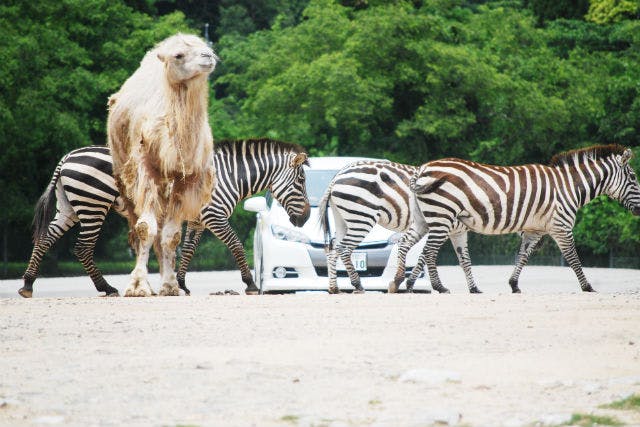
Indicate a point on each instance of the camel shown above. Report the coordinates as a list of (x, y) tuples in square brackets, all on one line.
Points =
[(161, 144)]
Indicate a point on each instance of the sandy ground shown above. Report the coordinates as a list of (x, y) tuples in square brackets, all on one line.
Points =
[(313, 359)]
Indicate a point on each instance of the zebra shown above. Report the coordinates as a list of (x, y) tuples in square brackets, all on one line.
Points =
[(85, 191), (361, 195), (456, 196)]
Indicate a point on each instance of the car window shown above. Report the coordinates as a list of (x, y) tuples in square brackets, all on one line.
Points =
[(317, 182)]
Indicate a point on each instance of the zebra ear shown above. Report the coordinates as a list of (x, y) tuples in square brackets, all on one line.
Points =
[(626, 156), (298, 160)]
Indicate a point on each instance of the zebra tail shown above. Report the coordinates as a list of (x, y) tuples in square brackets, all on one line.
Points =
[(45, 207), (428, 184), (323, 211)]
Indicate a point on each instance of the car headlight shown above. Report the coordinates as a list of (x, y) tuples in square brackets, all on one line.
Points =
[(394, 238), (289, 234)]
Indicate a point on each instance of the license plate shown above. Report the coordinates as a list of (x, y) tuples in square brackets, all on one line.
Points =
[(359, 260)]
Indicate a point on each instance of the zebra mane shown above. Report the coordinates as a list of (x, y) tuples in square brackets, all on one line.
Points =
[(596, 151), (280, 145)]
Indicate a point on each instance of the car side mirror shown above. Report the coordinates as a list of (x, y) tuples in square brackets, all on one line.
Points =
[(255, 204)]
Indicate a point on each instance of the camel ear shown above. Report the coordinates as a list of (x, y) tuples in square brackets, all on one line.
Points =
[(298, 160), (161, 56), (626, 156), (112, 100)]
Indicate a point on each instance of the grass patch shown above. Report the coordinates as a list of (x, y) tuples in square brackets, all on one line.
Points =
[(630, 403), (584, 420), (293, 419)]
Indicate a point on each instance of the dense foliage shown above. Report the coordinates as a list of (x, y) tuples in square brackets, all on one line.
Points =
[(505, 82)]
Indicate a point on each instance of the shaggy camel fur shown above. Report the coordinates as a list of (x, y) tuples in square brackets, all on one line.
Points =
[(161, 145)]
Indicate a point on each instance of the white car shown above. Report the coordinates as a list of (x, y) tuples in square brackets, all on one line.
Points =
[(288, 258)]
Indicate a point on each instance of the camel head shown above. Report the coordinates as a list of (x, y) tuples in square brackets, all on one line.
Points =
[(185, 57)]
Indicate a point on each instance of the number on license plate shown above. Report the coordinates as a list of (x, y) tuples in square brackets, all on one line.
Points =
[(359, 260)]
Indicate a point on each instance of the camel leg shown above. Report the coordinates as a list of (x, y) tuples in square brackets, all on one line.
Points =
[(169, 242), (146, 229)]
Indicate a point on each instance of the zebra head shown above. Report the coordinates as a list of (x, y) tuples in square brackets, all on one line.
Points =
[(289, 189), (625, 187)]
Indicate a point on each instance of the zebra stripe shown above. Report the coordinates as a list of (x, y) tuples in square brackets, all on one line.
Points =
[(244, 168), (85, 190), (456, 196), (364, 194)]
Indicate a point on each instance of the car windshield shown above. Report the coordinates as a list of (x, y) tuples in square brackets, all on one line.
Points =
[(317, 183)]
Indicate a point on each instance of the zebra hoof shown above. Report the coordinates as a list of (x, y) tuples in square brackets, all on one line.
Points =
[(515, 290), (25, 293), (442, 290), (252, 290), (334, 290), (110, 294), (588, 288), (392, 288), (475, 290), (358, 289)]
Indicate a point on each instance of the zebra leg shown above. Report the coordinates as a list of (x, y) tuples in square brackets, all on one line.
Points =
[(219, 225), (436, 238), (345, 255), (459, 242), (408, 240), (567, 246), (529, 244), (84, 249), (332, 258), (191, 241), (417, 269), (61, 224)]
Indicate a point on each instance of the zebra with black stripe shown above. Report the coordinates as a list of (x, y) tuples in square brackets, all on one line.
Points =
[(456, 196), (361, 195), (244, 168), (85, 191)]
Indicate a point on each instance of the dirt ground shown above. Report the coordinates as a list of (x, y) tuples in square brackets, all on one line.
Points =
[(313, 359)]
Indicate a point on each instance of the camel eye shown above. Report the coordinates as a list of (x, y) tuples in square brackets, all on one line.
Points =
[(179, 55)]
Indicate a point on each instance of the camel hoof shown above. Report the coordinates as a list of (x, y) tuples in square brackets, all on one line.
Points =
[(137, 292), (168, 290), (475, 290), (25, 293)]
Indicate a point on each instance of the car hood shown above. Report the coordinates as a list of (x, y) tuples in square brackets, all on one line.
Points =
[(312, 227)]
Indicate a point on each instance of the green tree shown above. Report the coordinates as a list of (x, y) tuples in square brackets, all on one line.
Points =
[(60, 61), (608, 11)]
